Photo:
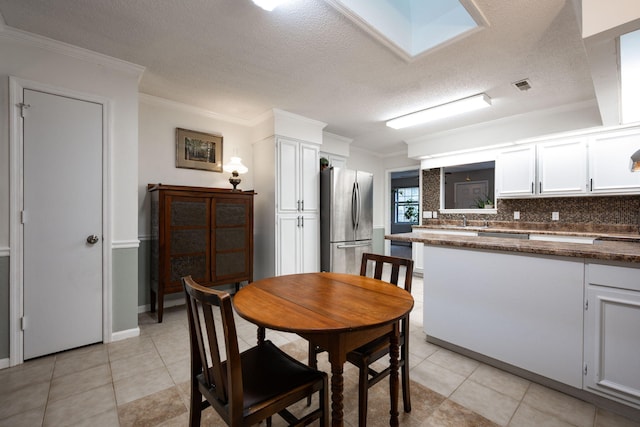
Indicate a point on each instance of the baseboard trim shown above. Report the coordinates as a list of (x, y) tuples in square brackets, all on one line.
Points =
[(600, 401), (167, 303), (123, 335)]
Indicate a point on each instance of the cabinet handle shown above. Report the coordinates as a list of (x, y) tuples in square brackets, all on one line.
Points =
[(591, 184), (540, 187), (302, 221), (532, 187), (302, 204)]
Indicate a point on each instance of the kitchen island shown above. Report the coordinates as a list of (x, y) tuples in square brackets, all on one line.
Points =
[(562, 309)]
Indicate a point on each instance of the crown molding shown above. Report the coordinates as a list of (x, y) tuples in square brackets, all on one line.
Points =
[(69, 50), (163, 102)]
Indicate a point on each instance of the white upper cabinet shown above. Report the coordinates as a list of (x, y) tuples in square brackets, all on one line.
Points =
[(587, 164), (562, 167), (609, 162), (298, 179), (516, 171)]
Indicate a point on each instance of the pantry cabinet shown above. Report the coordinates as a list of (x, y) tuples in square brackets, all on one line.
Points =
[(206, 233), (287, 173)]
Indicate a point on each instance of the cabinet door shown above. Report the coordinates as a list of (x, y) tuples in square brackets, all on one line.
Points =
[(310, 244), (288, 245), (287, 192), (515, 171), (612, 343), (562, 167), (188, 242), (232, 237), (309, 178), (610, 162)]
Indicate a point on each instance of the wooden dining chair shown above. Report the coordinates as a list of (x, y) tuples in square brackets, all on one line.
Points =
[(389, 269), (248, 387)]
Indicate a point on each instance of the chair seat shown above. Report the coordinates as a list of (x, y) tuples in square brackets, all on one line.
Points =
[(285, 373), (372, 351)]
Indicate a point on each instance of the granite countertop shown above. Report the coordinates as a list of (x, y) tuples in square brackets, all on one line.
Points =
[(612, 246)]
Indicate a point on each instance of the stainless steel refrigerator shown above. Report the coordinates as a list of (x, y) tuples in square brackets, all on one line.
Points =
[(346, 219)]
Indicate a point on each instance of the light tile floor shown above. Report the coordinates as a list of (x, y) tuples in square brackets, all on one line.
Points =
[(144, 381)]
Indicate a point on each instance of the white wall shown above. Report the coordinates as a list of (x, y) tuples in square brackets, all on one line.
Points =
[(158, 120), (612, 17), (47, 62)]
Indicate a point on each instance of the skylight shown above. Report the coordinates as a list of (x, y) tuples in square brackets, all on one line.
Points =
[(411, 27), (629, 70)]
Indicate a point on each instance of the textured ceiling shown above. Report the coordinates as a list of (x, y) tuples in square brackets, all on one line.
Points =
[(235, 59)]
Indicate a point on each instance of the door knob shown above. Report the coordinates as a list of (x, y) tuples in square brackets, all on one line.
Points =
[(93, 239)]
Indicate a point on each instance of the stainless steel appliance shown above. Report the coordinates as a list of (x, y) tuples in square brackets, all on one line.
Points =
[(346, 219)]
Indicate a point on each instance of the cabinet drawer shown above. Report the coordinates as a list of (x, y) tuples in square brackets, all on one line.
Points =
[(613, 276)]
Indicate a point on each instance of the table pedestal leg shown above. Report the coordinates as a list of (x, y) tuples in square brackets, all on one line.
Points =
[(337, 387), (394, 353)]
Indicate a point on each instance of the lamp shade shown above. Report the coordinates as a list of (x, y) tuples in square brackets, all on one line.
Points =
[(235, 165), (635, 161)]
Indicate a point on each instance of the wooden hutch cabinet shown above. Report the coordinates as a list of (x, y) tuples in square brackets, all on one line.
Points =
[(203, 232)]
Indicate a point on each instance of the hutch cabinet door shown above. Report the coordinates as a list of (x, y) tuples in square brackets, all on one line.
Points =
[(188, 243), (233, 234)]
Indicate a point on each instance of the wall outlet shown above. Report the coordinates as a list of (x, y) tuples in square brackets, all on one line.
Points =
[(555, 216), (435, 214), (516, 214), (426, 214)]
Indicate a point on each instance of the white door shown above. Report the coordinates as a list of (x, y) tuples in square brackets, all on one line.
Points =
[(62, 194)]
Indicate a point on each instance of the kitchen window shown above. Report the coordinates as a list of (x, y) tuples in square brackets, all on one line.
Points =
[(469, 188), (406, 205)]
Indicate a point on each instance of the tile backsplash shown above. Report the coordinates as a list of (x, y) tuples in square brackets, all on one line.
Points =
[(587, 210)]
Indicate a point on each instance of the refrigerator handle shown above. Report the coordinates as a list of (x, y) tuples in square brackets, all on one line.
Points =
[(358, 207), (354, 245), (354, 206)]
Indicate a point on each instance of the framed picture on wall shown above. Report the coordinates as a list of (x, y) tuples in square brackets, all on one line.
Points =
[(198, 150)]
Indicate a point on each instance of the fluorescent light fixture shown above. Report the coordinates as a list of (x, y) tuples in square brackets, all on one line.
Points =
[(635, 161), (268, 5), (460, 106)]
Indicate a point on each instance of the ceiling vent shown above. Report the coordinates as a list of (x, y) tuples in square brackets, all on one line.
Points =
[(522, 85)]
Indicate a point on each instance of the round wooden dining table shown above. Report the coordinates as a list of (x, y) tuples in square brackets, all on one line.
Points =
[(338, 312)]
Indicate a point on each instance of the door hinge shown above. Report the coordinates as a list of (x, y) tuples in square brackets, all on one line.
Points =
[(23, 217), (23, 323), (23, 109), (585, 369), (586, 305)]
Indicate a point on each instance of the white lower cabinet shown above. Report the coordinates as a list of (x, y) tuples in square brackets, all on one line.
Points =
[(298, 244), (612, 333), (526, 311)]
